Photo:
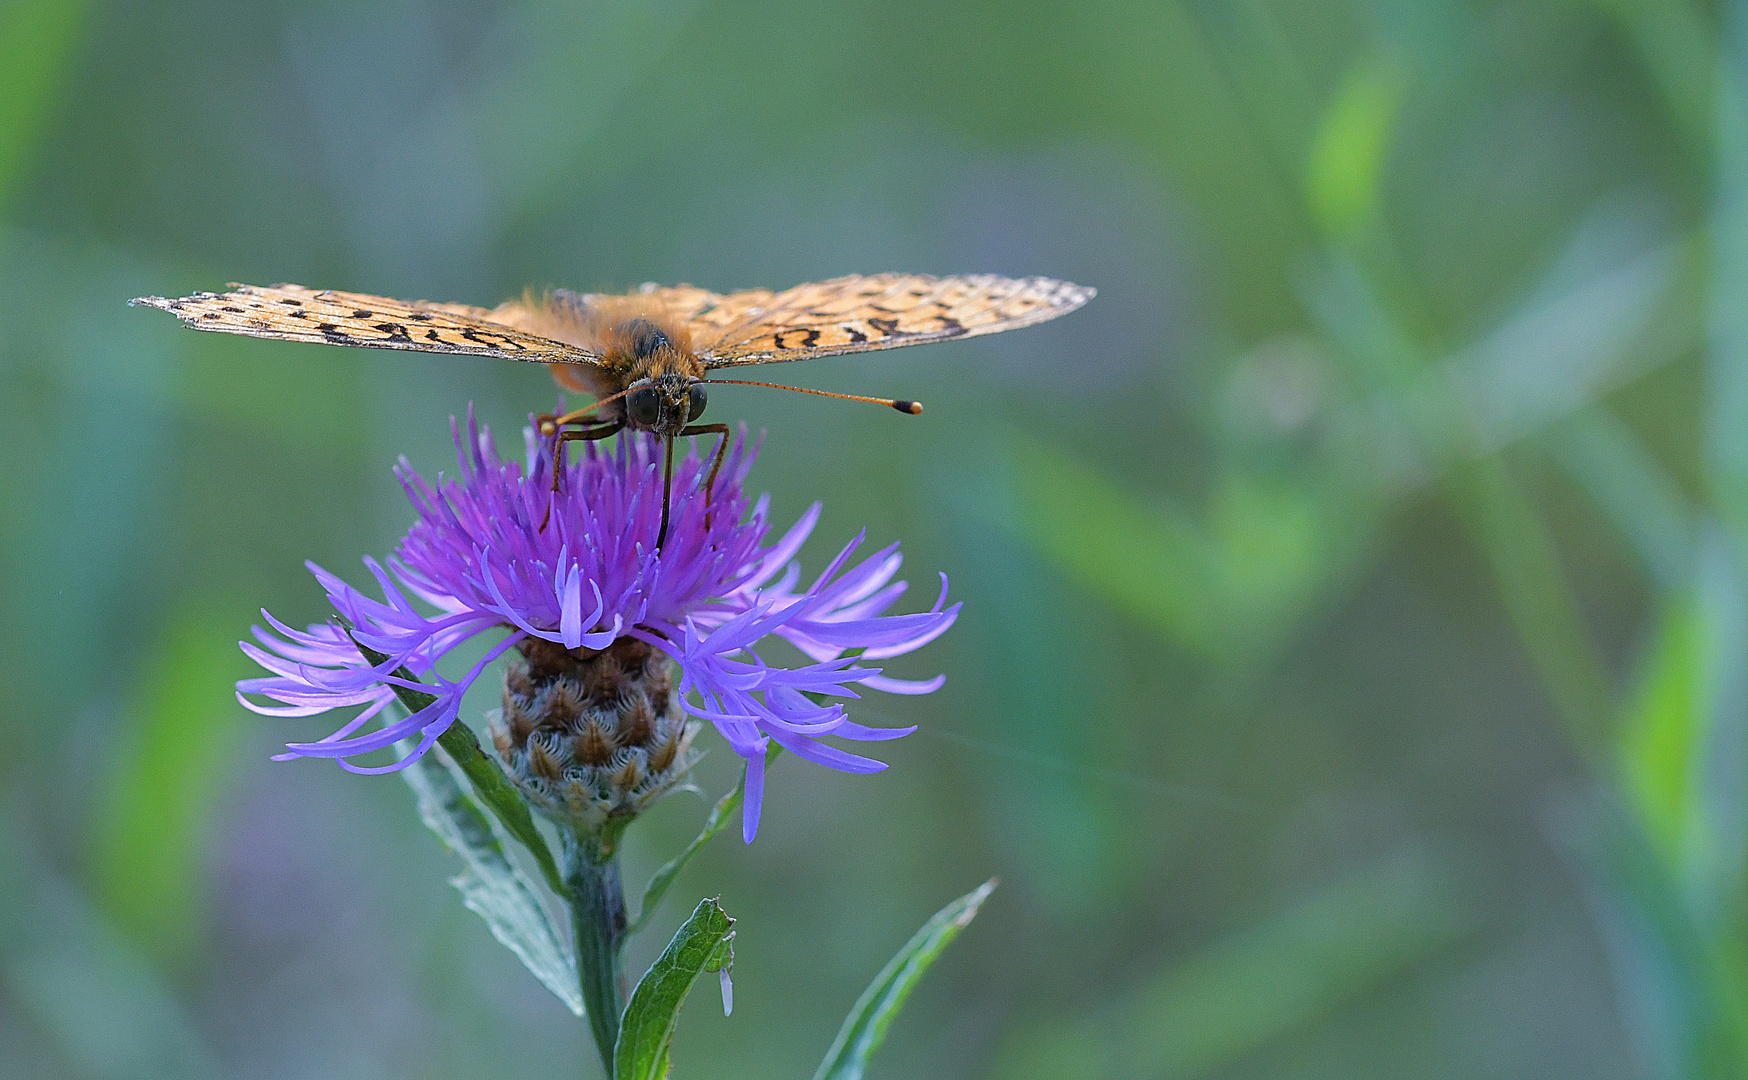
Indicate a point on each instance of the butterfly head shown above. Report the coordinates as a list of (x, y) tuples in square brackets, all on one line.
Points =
[(664, 403)]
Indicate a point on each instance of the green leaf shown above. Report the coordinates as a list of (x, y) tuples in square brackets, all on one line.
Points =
[(1347, 159), (721, 816), (1156, 567), (163, 786), (1633, 489), (865, 1028), (495, 790), (1514, 534), (1687, 1003), (489, 782), (491, 885), (1664, 728), (648, 1025)]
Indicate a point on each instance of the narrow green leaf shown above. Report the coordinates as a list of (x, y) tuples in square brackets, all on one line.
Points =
[(1632, 488), (865, 1028), (1514, 534), (1343, 175), (495, 790), (491, 885), (1664, 727), (648, 1025), (1685, 1002), (489, 782), (721, 816), (163, 785), (1157, 567)]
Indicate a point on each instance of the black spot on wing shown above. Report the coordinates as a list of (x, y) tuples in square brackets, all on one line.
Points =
[(808, 338), (492, 341)]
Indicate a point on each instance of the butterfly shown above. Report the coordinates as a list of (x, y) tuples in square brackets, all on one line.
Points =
[(647, 356)]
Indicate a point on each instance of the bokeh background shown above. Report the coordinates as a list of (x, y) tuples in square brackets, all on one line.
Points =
[(1353, 675)]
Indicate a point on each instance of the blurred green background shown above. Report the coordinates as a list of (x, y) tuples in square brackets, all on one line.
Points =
[(1353, 676)]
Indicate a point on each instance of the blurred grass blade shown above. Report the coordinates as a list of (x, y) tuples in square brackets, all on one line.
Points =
[(721, 817), (1681, 983), (1726, 368), (1592, 324), (1260, 984), (1519, 546), (36, 41), (1720, 762), (648, 1025), (1342, 177), (1153, 566), (1678, 48), (865, 1028), (1661, 733), (1575, 337), (490, 785), (1633, 489), (1229, 587), (169, 769), (491, 886)]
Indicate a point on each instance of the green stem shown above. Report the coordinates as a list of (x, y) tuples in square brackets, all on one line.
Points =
[(591, 876)]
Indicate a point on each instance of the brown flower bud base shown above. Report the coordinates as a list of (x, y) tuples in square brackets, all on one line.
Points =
[(592, 735)]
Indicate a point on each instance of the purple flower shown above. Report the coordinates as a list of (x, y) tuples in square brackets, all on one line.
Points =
[(479, 560)]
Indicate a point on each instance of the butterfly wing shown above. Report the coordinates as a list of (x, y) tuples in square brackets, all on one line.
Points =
[(294, 313), (863, 312)]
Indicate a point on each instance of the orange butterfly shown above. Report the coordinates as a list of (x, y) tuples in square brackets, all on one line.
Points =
[(646, 356)]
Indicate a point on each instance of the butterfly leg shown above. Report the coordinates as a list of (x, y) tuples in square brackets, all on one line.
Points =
[(604, 430), (667, 488), (551, 422), (721, 449)]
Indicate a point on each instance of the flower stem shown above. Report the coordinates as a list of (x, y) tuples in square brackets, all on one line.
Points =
[(591, 874)]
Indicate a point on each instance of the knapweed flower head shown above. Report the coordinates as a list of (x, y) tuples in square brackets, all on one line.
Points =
[(593, 723)]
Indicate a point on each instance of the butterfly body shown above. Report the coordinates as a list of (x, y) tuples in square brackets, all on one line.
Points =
[(646, 355)]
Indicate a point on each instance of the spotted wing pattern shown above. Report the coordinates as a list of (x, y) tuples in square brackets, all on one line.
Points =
[(295, 313), (860, 313)]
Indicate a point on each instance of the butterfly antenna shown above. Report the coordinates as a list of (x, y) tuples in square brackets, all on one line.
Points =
[(667, 485), (912, 408)]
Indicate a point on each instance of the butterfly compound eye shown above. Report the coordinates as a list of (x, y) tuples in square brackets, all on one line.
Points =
[(696, 399), (645, 406)]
